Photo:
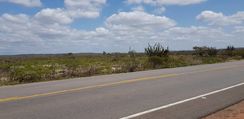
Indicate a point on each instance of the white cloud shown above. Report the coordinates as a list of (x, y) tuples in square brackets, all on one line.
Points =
[(135, 28), (84, 8), (92, 4), (15, 28), (20, 18), (194, 33), (138, 8), (165, 2), (160, 4), (53, 16), (74, 9), (139, 19), (239, 29), (213, 18), (27, 3), (19, 33), (159, 10), (102, 30)]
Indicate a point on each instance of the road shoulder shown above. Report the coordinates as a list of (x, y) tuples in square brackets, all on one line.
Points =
[(233, 112), (199, 107)]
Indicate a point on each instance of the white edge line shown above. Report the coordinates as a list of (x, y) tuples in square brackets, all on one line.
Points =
[(180, 102)]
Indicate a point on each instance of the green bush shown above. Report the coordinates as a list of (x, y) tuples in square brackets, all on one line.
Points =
[(132, 63), (28, 73), (239, 53), (157, 55), (211, 60), (156, 50), (155, 61), (212, 51), (229, 51), (205, 51)]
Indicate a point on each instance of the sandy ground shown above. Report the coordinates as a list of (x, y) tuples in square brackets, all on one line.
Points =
[(233, 112)]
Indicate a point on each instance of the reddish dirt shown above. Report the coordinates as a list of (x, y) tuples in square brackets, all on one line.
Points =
[(233, 112)]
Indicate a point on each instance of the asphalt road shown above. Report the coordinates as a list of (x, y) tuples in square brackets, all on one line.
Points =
[(187, 92)]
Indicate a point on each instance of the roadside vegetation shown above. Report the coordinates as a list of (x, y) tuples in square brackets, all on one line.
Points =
[(36, 68)]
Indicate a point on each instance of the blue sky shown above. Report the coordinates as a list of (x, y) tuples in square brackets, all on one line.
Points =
[(60, 26)]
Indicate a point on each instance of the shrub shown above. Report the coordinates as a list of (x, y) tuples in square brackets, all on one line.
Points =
[(28, 73), (156, 54), (104, 53), (212, 51), (239, 53), (230, 48), (230, 51), (155, 61), (211, 60), (133, 64), (156, 50), (205, 51)]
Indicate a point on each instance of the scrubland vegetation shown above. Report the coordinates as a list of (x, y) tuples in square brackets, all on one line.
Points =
[(26, 69)]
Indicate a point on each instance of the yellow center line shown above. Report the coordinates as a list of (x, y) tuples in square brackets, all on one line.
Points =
[(109, 84)]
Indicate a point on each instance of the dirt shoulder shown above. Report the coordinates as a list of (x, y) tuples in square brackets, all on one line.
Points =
[(233, 112)]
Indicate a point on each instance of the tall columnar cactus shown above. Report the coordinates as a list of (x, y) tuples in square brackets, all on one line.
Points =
[(156, 50)]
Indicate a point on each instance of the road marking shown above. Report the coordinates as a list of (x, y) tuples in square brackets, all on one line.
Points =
[(87, 87), (180, 102), (110, 84)]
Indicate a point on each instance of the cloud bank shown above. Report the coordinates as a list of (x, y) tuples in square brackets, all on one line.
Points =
[(49, 30), (27, 3)]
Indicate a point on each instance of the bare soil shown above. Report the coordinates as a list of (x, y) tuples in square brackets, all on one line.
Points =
[(233, 112)]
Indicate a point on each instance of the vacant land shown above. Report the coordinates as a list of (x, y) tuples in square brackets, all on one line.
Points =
[(233, 112), (35, 68)]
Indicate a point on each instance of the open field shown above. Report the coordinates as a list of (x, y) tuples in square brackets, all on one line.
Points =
[(35, 68)]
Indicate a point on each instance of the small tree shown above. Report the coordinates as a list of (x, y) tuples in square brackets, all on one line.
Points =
[(104, 53), (230, 50)]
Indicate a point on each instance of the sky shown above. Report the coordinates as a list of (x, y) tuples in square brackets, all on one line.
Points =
[(63, 26)]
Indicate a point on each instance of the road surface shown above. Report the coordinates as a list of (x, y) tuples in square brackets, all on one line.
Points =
[(186, 92)]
